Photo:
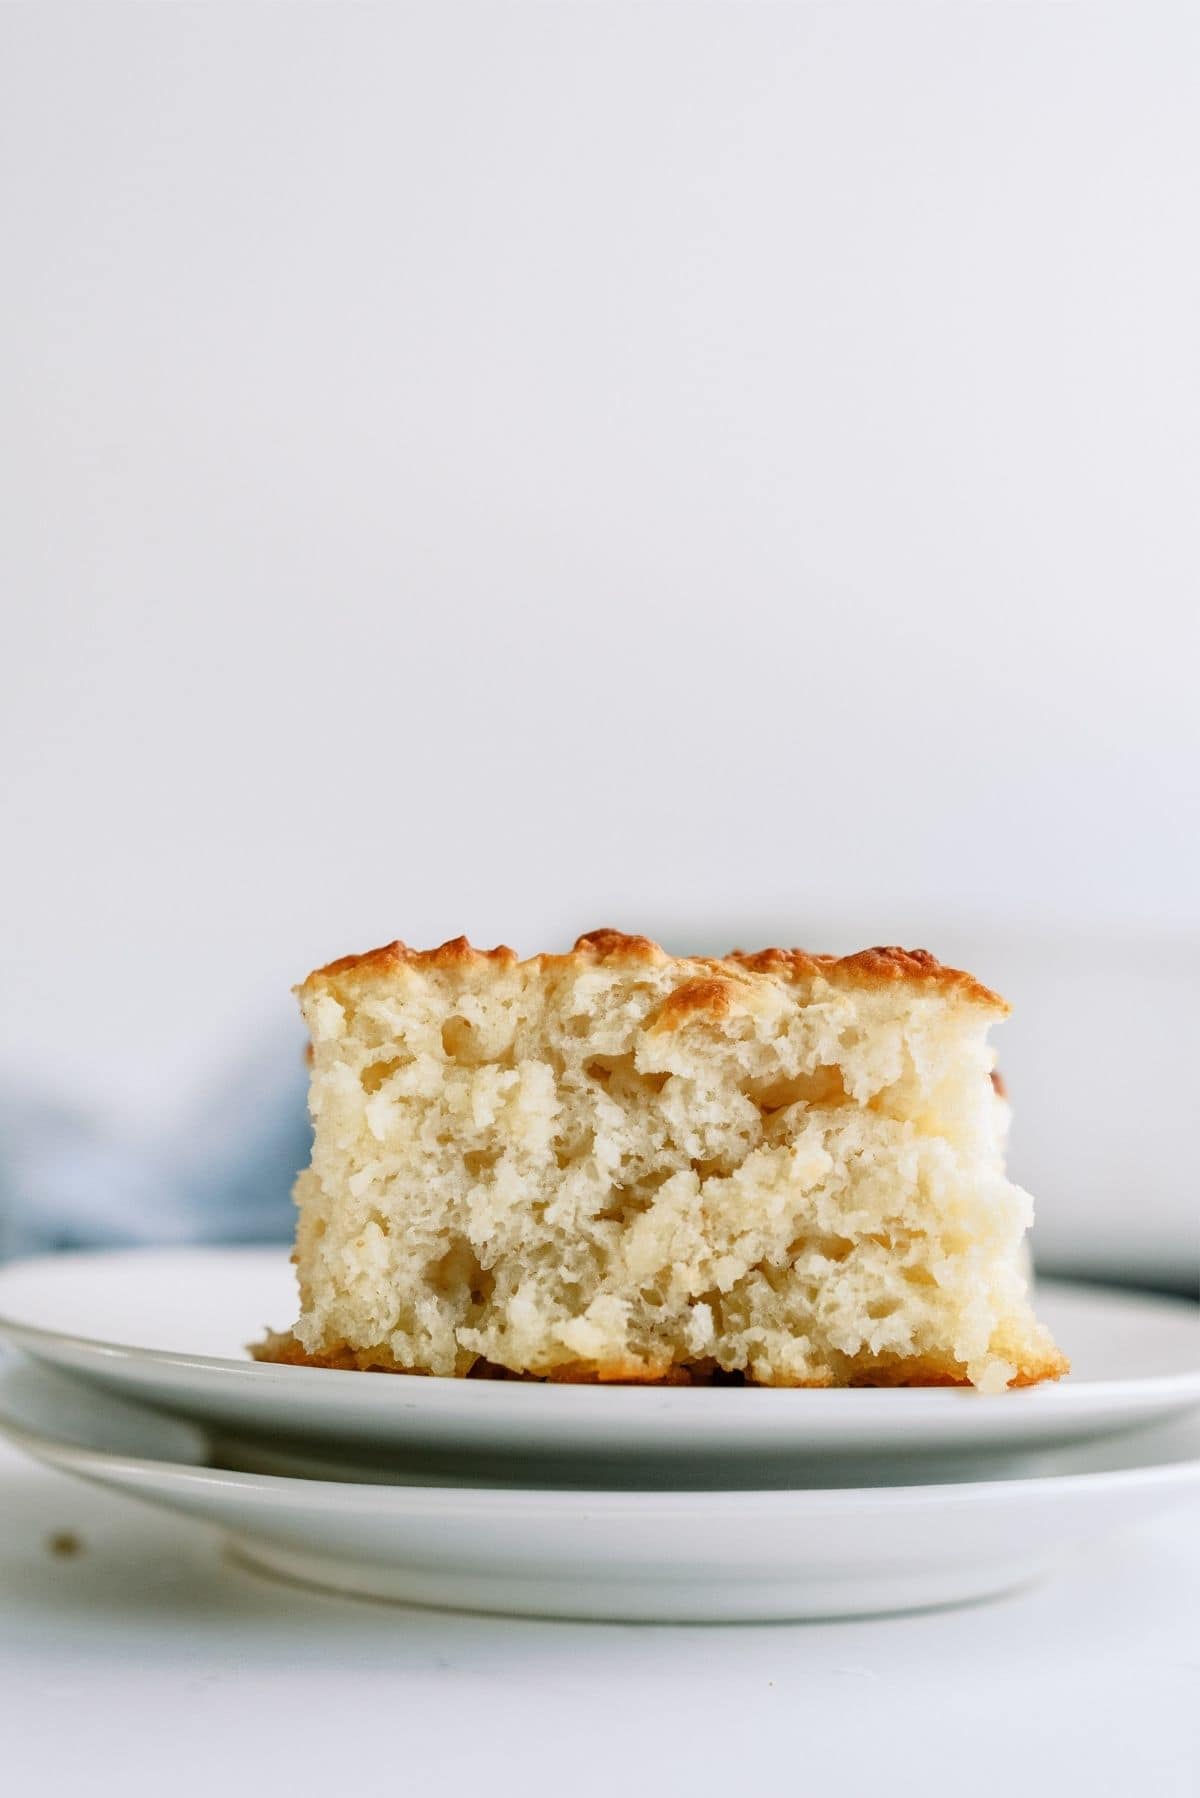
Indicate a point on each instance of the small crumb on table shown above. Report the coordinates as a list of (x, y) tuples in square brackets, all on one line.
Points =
[(64, 1543)]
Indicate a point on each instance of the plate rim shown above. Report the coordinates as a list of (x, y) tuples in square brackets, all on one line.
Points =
[(316, 1495)]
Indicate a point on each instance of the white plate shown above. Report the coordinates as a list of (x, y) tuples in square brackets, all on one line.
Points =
[(168, 1327), (639, 1556)]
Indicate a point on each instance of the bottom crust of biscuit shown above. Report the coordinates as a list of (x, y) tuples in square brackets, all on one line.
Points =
[(282, 1348)]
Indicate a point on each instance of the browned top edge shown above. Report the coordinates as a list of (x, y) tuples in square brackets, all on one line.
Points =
[(878, 967), (884, 965)]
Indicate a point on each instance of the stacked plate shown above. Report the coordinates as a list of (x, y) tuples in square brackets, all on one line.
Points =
[(642, 1503)]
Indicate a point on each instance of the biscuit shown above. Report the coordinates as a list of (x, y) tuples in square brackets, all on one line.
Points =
[(621, 1165)]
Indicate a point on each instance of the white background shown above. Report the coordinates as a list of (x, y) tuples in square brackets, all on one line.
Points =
[(725, 470)]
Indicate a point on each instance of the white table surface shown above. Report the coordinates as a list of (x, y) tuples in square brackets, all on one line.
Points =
[(148, 1663)]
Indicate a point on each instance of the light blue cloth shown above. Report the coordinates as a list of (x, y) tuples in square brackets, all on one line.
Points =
[(67, 1182)]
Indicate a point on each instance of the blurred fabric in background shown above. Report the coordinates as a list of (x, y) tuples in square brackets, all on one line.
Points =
[(721, 471)]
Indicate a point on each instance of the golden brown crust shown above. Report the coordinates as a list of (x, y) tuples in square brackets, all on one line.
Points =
[(882, 966), (282, 1348), (390, 957), (707, 994), (916, 1370), (613, 945)]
